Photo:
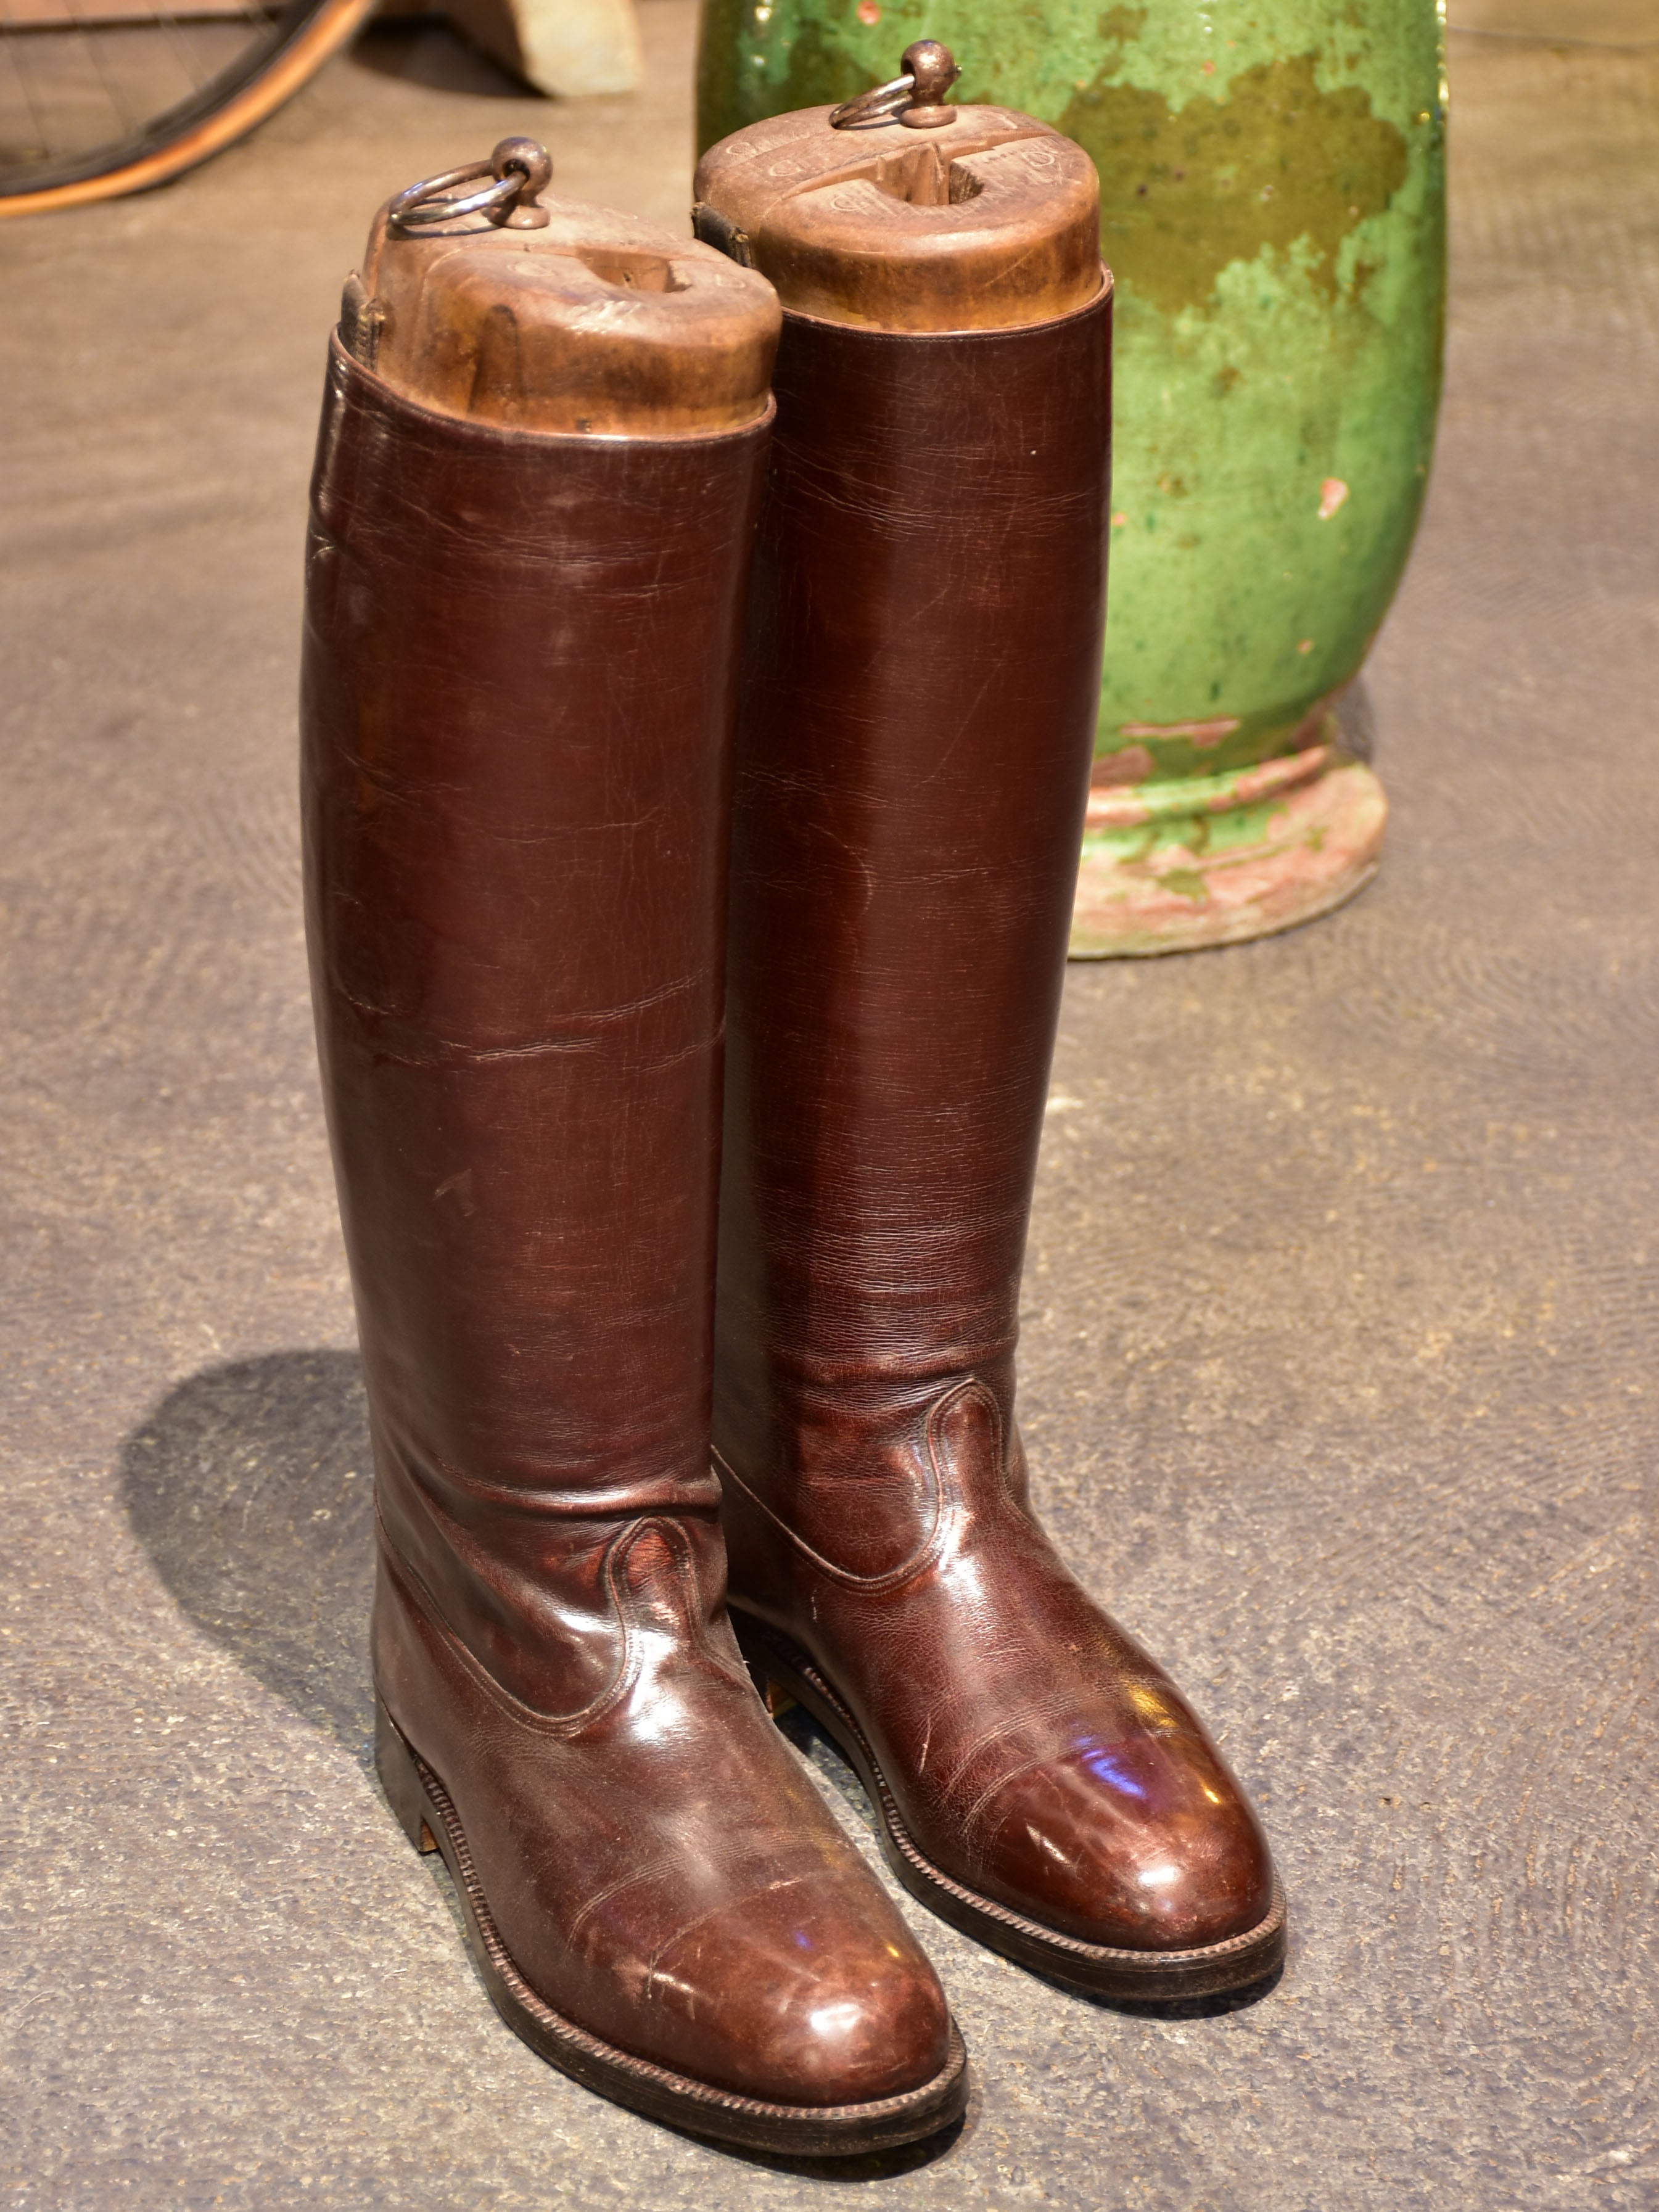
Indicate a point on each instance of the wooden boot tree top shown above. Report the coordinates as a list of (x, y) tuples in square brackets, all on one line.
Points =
[(499, 306), (970, 218)]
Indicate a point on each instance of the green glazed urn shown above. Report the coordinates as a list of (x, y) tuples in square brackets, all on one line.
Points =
[(1273, 208)]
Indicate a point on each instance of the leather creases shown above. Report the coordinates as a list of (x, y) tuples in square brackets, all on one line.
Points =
[(673, 1606)]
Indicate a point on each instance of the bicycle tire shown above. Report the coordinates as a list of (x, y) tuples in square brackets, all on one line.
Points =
[(304, 37)]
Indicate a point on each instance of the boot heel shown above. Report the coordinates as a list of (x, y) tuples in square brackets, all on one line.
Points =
[(774, 1693), (776, 1699), (402, 1784)]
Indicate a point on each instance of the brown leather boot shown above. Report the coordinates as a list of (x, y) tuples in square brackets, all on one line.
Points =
[(518, 683), (913, 759)]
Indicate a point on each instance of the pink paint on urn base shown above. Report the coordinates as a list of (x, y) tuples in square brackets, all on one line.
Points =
[(1320, 844)]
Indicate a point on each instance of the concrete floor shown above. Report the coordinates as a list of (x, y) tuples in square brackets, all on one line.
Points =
[(1339, 1374)]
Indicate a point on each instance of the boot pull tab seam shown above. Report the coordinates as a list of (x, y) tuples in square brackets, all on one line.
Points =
[(419, 1598), (947, 1500), (695, 1614)]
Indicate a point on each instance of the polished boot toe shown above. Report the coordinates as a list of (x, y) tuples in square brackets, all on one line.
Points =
[(802, 1996), (1133, 1846)]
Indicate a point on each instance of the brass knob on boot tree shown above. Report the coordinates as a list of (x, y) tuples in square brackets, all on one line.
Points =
[(932, 70), (916, 99)]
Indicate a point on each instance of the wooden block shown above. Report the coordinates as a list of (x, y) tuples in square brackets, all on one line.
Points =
[(563, 46), (988, 221), (593, 322)]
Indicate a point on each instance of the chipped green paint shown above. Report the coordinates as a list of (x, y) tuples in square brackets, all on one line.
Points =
[(1279, 164), (1272, 208)]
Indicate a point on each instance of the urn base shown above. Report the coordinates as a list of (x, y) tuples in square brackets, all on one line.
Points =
[(1288, 841)]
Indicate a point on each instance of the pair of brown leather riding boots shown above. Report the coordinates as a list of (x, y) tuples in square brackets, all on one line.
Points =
[(697, 729)]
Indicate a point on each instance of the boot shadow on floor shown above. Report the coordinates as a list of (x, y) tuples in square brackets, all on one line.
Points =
[(250, 1487)]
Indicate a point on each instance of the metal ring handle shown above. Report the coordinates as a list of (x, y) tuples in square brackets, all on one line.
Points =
[(424, 202), (882, 100), (517, 169)]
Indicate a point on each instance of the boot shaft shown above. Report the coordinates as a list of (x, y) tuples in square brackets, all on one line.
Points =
[(518, 680), (921, 666)]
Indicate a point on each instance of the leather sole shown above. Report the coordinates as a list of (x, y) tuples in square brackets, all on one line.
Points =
[(427, 1815), (1093, 1968)]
